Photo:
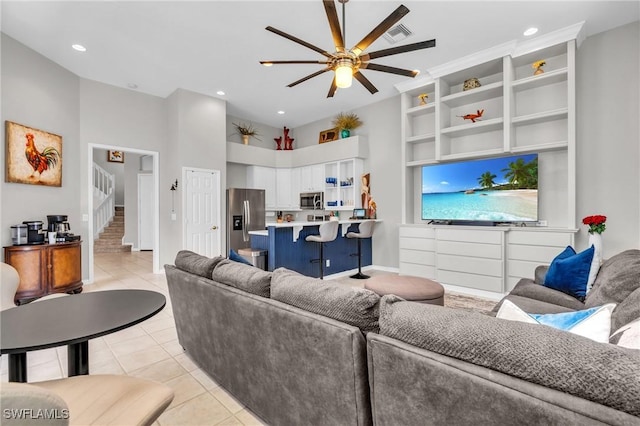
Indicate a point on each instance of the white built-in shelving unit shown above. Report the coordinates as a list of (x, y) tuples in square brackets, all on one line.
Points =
[(523, 113)]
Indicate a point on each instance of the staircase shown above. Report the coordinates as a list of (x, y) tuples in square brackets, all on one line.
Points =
[(110, 240)]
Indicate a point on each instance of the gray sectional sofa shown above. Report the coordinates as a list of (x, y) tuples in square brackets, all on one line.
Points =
[(300, 351)]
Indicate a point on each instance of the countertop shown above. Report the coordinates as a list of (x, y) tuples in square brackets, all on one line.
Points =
[(297, 226), (312, 223)]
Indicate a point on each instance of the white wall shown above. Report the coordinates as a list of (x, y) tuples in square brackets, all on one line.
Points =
[(608, 138), (381, 125), (265, 133), (608, 153), (38, 93)]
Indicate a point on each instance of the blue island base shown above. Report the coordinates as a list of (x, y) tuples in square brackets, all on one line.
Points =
[(298, 255)]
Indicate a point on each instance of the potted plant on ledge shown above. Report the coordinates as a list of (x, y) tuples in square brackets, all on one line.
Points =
[(246, 131), (346, 122)]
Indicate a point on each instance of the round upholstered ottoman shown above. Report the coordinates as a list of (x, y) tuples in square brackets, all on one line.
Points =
[(414, 289)]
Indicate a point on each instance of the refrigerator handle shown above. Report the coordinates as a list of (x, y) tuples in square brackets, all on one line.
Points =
[(245, 221), (248, 212)]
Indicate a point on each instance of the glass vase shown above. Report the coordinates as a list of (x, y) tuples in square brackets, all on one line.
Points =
[(345, 133)]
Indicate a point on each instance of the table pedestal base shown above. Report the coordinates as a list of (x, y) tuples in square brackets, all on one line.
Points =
[(18, 367), (78, 358)]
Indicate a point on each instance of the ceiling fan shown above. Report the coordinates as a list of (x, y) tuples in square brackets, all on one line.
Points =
[(347, 64)]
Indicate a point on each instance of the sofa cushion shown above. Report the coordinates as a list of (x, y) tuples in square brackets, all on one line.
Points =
[(569, 272), (527, 288), (593, 323), (196, 263), (244, 277), (352, 305), (598, 372), (618, 279)]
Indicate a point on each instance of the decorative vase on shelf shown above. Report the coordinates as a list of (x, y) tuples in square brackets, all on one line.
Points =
[(345, 133), (595, 240), (245, 139)]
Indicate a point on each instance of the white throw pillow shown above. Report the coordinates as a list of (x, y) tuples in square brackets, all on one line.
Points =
[(594, 323), (593, 271), (629, 335)]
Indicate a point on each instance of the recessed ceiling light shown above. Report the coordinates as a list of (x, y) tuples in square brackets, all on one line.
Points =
[(79, 47), (530, 31), (220, 93), (132, 85), (280, 112)]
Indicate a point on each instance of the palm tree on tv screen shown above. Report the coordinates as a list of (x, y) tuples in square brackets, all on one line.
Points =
[(486, 180), (521, 174)]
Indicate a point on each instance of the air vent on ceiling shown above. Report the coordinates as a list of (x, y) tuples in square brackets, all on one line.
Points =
[(397, 33)]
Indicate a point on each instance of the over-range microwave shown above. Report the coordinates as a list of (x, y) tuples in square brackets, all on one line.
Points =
[(312, 200)]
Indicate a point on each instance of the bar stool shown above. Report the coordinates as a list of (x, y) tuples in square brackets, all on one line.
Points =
[(328, 232), (365, 230)]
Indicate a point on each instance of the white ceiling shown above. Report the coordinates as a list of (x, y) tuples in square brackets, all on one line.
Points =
[(206, 46)]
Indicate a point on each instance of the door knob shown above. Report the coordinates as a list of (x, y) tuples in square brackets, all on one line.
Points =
[(214, 227)]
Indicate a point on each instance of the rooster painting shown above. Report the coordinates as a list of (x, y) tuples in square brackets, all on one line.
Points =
[(40, 161), (33, 156)]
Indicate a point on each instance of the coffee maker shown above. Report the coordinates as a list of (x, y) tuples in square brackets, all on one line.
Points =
[(58, 223)]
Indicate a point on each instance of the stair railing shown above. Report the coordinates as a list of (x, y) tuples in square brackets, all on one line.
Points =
[(104, 207)]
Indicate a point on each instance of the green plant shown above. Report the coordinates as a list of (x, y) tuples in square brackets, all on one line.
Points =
[(246, 130), (347, 121)]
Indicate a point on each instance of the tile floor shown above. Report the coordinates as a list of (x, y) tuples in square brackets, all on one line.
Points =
[(150, 350)]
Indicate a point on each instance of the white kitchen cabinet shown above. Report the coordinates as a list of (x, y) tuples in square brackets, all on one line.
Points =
[(259, 177), (295, 188), (284, 196), (312, 178)]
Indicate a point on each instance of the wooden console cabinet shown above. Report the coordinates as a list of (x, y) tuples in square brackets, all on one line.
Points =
[(46, 269)]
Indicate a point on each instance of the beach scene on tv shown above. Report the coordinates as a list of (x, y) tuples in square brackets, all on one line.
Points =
[(497, 190)]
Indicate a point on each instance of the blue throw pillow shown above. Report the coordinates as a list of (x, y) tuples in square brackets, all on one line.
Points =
[(569, 272), (237, 258)]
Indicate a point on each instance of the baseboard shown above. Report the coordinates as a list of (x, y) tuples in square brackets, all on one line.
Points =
[(385, 268)]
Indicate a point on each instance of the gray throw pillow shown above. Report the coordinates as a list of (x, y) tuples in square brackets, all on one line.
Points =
[(351, 305), (556, 359), (196, 264), (244, 277)]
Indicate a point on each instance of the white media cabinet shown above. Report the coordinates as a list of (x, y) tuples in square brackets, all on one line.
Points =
[(487, 259), (523, 113)]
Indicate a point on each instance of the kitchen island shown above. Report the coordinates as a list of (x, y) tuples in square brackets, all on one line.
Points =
[(286, 247)]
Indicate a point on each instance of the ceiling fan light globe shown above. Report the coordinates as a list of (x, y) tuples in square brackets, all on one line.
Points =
[(344, 76)]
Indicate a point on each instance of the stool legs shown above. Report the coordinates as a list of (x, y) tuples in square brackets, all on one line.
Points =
[(321, 260), (360, 275)]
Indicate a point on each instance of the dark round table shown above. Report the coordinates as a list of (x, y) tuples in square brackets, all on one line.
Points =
[(71, 320)]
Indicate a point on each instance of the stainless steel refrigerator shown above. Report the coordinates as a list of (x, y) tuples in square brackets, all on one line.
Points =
[(245, 212)]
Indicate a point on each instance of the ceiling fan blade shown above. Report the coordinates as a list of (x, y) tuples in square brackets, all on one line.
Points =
[(392, 70), (382, 27), (398, 49), (302, 80), (297, 40), (293, 62), (332, 89), (332, 16), (365, 82)]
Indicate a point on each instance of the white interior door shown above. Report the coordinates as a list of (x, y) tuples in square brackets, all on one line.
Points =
[(145, 211), (202, 212)]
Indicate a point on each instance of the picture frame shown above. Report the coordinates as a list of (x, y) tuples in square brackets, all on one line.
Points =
[(115, 156), (32, 156), (329, 135)]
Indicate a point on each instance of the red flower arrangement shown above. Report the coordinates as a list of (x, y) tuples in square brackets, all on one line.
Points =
[(595, 223)]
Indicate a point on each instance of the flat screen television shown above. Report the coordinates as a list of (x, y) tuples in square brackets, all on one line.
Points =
[(492, 190)]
